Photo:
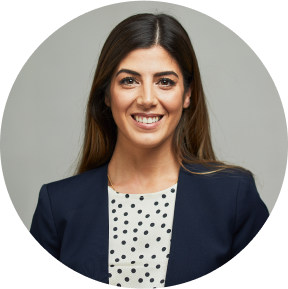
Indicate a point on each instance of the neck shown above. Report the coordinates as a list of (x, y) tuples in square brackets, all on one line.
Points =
[(142, 169)]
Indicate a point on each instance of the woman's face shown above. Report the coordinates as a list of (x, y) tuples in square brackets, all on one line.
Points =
[(147, 97)]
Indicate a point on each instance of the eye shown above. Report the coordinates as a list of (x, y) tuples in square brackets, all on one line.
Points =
[(128, 81), (166, 82)]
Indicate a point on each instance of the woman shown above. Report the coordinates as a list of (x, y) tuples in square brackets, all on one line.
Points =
[(147, 141)]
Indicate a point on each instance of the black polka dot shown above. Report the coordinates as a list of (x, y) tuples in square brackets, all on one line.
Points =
[(139, 211), (141, 198), (168, 231), (115, 219), (158, 211), (156, 203), (146, 232), (162, 281), (115, 229), (132, 206), (163, 226), (115, 236), (141, 257), (152, 280), (167, 204), (123, 242), (167, 256), (163, 196), (165, 215), (158, 266), (147, 216), (112, 265), (127, 196), (119, 206), (146, 265), (125, 231), (152, 224), (132, 262), (123, 257), (147, 274), (172, 190), (158, 239), (117, 192), (164, 249), (140, 223), (126, 279), (126, 222), (133, 270), (119, 271), (135, 239), (117, 260), (153, 256), (125, 214), (135, 230), (147, 246), (140, 280), (112, 252), (113, 201), (133, 249), (113, 211), (118, 284)]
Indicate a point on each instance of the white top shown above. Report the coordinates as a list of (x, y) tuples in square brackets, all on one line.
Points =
[(140, 228)]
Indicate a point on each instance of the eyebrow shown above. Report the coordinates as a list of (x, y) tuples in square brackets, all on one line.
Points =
[(156, 74)]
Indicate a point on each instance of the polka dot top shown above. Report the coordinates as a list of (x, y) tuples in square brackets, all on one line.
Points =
[(140, 228)]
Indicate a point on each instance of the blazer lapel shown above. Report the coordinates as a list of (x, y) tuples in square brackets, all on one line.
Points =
[(178, 270)]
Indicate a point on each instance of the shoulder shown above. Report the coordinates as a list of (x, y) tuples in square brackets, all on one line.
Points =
[(78, 186), (226, 186)]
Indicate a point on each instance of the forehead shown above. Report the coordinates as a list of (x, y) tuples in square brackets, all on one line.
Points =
[(149, 60)]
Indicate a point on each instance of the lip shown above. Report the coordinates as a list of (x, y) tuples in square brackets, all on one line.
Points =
[(147, 126)]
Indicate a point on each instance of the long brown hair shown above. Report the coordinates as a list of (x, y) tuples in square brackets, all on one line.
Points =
[(191, 141)]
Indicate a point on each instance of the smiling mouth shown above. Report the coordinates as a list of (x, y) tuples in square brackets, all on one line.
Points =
[(160, 117), (147, 119)]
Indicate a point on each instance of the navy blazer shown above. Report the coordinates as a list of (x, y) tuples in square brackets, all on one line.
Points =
[(215, 217)]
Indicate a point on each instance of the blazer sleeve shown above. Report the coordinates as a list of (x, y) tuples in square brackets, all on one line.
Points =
[(251, 214), (43, 227)]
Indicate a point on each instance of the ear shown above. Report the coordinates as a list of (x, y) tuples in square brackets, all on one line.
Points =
[(187, 97), (107, 100)]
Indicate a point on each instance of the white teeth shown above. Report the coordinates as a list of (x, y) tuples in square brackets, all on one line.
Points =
[(145, 120)]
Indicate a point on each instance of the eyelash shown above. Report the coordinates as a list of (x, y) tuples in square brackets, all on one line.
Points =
[(170, 81)]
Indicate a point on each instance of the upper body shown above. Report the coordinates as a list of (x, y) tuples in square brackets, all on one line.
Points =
[(215, 217), (147, 72)]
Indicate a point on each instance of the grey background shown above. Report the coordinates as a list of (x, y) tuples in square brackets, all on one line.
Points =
[(43, 122)]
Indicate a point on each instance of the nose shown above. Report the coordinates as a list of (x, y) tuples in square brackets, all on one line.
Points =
[(147, 96)]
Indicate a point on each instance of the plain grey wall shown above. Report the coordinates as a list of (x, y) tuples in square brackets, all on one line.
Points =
[(42, 127)]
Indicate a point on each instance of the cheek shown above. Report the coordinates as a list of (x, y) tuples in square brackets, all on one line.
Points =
[(120, 101), (172, 102)]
